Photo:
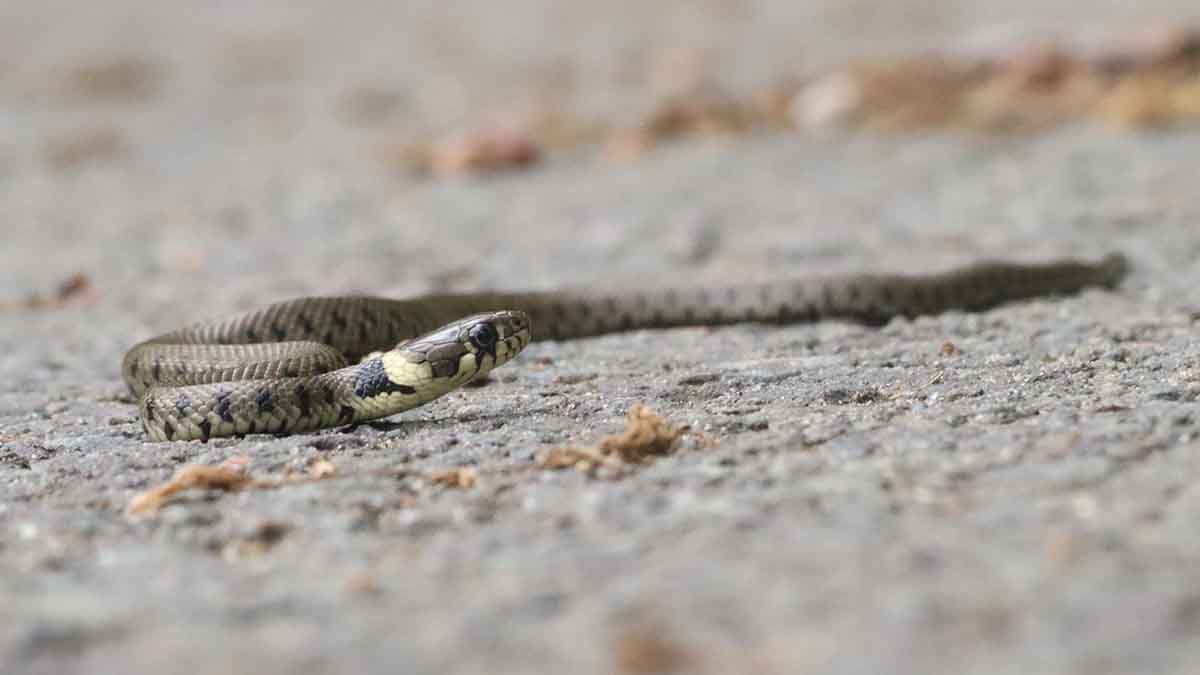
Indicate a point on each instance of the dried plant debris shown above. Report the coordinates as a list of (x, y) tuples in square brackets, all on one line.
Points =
[(232, 475), (887, 95), (1151, 102), (488, 150), (1156, 46), (86, 146), (319, 470), (260, 540), (75, 289), (646, 648), (1137, 79), (646, 436), (362, 583), (125, 78), (463, 477), (1147, 77), (195, 476)]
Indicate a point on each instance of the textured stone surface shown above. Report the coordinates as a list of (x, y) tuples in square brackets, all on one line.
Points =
[(876, 504)]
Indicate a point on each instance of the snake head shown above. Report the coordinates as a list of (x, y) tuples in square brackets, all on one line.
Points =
[(494, 338), (472, 346)]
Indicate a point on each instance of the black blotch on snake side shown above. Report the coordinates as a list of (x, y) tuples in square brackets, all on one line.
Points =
[(222, 407), (346, 415), (373, 380), (205, 430), (168, 430), (303, 400), (264, 401)]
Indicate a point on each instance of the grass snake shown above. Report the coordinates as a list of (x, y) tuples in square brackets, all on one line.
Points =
[(318, 362)]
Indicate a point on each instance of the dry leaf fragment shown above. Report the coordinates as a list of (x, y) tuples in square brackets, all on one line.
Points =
[(582, 459), (1147, 101), (1156, 46), (646, 435), (483, 152), (230, 475), (95, 144), (118, 79), (487, 151), (626, 145), (646, 648), (75, 288), (198, 476), (362, 583), (265, 535), (322, 468), (462, 477)]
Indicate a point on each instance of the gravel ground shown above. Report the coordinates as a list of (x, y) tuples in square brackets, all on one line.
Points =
[(876, 503)]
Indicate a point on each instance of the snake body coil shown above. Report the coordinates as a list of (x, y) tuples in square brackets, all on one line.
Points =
[(317, 362)]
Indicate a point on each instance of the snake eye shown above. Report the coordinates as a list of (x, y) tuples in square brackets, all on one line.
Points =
[(483, 336)]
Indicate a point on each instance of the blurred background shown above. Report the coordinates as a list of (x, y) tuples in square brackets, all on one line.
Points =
[(181, 120)]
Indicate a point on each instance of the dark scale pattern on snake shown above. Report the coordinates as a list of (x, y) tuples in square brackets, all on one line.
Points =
[(312, 363)]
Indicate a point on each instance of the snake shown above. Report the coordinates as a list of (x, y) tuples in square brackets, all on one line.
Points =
[(316, 362)]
